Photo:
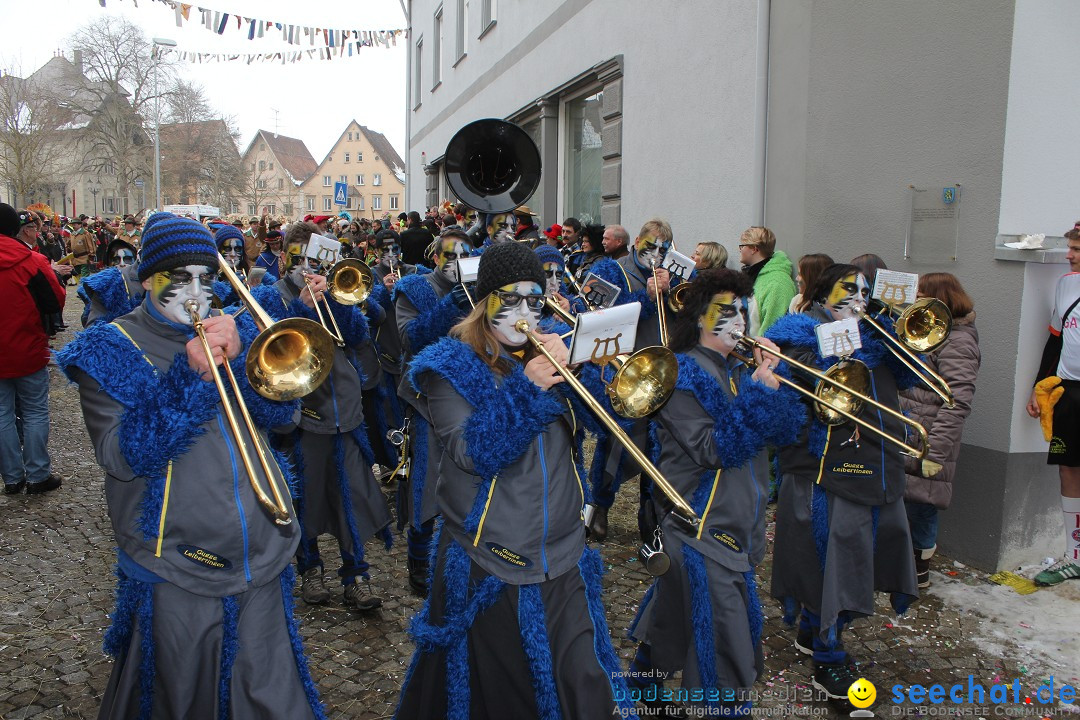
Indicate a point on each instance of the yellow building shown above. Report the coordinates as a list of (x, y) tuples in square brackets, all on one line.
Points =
[(275, 168), (370, 166)]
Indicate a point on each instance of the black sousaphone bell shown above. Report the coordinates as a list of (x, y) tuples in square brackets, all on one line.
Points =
[(492, 165)]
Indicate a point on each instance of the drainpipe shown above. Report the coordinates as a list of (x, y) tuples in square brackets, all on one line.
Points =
[(761, 111), (408, 103)]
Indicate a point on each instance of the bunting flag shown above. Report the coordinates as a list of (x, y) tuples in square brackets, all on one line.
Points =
[(380, 37), (217, 21)]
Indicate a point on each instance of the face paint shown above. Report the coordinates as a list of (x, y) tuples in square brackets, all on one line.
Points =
[(392, 251), (450, 250), (122, 258), (724, 315), (649, 250), (511, 303), (232, 250), (500, 229), (553, 273), (848, 295), (169, 290)]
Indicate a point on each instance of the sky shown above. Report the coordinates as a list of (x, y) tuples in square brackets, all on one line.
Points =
[(314, 99)]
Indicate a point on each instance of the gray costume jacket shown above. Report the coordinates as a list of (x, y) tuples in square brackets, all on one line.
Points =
[(179, 499)]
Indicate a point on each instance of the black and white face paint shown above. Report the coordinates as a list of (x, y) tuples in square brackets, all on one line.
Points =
[(511, 303), (170, 289), (724, 317), (122, 258), (232, 250), (848, 296), (450, 250), (553, 278)]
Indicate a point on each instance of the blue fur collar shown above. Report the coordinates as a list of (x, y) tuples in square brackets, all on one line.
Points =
[(110, 287), (509, 414)]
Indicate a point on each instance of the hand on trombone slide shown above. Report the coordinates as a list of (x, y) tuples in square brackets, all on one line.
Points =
[(224, 343), (315, 284), (562, 301), (766, 361), (540, 370), (661, 278), (389, 280)]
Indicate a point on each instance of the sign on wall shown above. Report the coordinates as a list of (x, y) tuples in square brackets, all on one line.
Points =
[(933, 223)]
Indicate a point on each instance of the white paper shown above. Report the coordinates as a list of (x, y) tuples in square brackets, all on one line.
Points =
[(467, 268), (678, 264), (1028, 242), (325, 250), (598, 292), (603, 334), (895, 288), (840, 338)]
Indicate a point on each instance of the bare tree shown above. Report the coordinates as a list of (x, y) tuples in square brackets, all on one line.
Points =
[(31, 138), (118, 98)]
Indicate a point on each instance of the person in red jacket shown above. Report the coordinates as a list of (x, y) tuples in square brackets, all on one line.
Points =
[(31, 293)]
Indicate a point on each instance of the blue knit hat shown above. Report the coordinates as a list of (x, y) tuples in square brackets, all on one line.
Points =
[(169, 242), (549, 254), (227, 232)]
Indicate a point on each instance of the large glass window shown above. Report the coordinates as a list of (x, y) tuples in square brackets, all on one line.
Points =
[(584, 158), (536, 202)]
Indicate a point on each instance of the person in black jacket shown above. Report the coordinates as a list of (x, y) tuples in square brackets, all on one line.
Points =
[(415, 240)]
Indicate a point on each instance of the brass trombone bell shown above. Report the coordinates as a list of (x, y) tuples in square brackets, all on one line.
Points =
[(677, 297), (350, 281), (922, 327)]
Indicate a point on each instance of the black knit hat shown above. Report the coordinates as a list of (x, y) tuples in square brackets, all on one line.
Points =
[(9, 220), (505, 264), (169, 242)]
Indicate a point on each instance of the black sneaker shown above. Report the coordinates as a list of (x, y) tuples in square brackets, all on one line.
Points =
[(834, 679), (14, 488), (50, 483), (358, 595), (418, 576), (804, 641)]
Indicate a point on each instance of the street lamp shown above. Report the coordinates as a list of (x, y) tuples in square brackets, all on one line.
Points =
[(159, 42), (94, 187)]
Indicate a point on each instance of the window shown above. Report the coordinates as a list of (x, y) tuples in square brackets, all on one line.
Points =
[(584, 158), (376, 179), (262, 165), (261, 184), (251, 208), (350, 140), (270, 209), (271, 166), (359, 179), (393, 202), (326, 181), (252, 167), (262, 147), (309, 202), (343, 178), (461, 30), (487, 15), (234, 208), (359, 155), (376, 202), (346, 157), (327, 202), (436, 50), (418, 73), (359, 202), (287, 208)]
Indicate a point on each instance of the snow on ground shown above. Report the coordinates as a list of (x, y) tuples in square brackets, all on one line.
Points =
[(1040, 631)]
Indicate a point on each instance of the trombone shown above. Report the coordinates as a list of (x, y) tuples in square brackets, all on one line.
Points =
[(349, 282), (836, 398), (682, 509), (661, 316), (643, 380), (922, 327)]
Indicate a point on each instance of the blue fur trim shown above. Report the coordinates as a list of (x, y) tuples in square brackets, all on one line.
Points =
[(288, 580), (507, 419), (756, 417), (380, 419), (345, 492), (434, 317), (225, 293), (607, 269), (819, 521), (110, 288), (380, 295), (147, 667), (418, 468), (98, 351), (591, 567), (118, 634), (351, 321), (701, 615), (791, 609), (534, 640), (229, 643), (754, 614), (459, 614), (269, 298), (265, 412)]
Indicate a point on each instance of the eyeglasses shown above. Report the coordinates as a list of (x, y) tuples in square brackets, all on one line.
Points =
[(183, 277), (512, 300)]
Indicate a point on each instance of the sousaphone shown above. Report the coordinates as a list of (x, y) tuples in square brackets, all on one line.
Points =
[(492, 165)]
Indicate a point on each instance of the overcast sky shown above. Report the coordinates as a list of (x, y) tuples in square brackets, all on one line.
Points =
[(315, 99)]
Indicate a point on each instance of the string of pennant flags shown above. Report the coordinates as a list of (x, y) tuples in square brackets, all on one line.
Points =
[(323, 43)]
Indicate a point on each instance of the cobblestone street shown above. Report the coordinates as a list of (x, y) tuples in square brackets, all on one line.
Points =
[(56, 579)]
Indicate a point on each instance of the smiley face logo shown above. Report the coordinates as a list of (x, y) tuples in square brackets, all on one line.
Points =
[(862, 693)]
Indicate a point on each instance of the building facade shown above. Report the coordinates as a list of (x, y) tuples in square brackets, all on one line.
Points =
[(371, 168), (822, 119), (275, 168)]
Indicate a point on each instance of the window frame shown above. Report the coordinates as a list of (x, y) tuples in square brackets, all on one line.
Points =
[(436, 49)]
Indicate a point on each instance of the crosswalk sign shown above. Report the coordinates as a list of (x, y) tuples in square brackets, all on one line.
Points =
[(341, 193)]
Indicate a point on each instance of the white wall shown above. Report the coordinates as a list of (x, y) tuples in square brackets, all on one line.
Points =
[(688, 96), (1040, 186)]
